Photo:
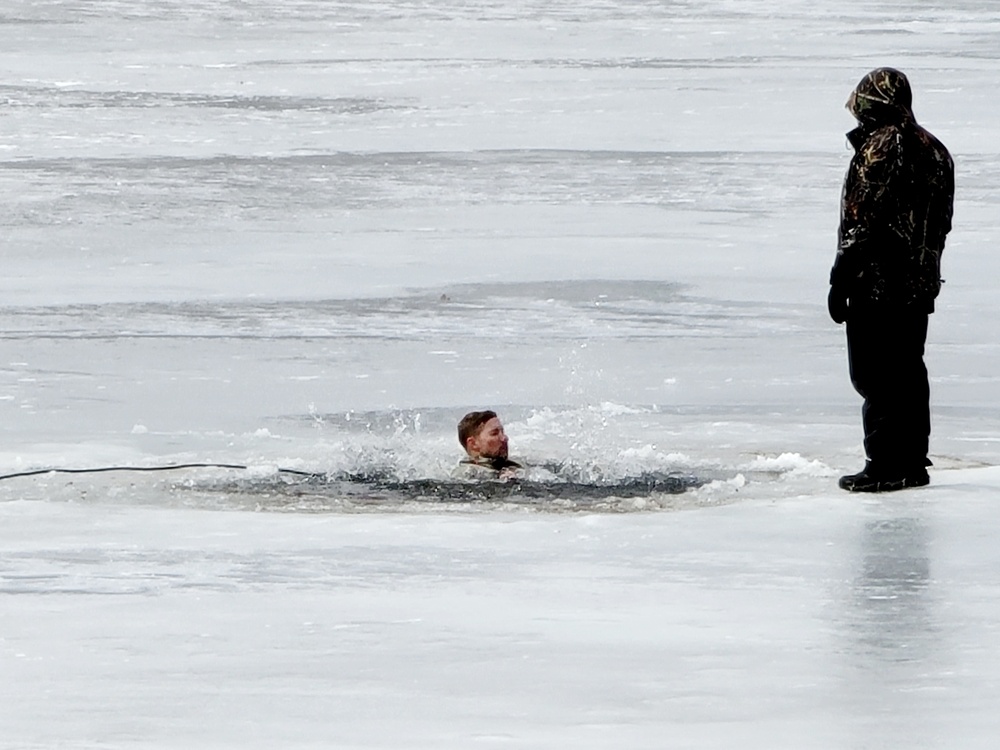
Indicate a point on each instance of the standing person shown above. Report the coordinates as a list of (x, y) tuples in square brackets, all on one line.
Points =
[(896, 210), (485, 442)]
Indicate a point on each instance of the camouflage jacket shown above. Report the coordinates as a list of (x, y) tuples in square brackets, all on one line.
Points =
[(896, 206)]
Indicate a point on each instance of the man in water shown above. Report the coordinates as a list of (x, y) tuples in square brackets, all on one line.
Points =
[(485, 442), (896, 211)]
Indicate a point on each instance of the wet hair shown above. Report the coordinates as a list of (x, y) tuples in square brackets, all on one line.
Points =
[(471, 424)]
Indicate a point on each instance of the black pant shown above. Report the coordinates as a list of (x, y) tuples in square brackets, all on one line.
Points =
[(885, 350)]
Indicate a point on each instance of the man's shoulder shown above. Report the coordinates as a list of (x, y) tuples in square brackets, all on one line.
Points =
[(484, 468), (879, 143), (471, 469), (935, 147)]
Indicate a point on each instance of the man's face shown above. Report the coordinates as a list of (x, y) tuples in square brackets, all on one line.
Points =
[(490, 441)]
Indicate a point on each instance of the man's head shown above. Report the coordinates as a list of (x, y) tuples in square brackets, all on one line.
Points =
[(482, 435), (882, 96)]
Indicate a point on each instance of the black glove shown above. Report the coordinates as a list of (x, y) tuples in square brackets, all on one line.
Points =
[(836, 303)]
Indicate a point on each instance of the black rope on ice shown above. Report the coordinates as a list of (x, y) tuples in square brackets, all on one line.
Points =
[(171, 467)]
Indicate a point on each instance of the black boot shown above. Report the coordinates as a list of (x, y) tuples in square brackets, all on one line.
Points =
[(872, 479)]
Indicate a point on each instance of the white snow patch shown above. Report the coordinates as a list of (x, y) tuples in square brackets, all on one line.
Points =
[(791, 464)]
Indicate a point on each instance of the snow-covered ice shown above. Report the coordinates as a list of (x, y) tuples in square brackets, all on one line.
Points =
[(818, 622)]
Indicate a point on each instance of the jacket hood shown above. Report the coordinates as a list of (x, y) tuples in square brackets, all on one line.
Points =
[(883, 96)]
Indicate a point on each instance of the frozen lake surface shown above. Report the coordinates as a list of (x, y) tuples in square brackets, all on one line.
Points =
[(817, 622), (311, 235)]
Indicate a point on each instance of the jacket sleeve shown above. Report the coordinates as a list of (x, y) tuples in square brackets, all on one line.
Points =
[(869, 200)]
